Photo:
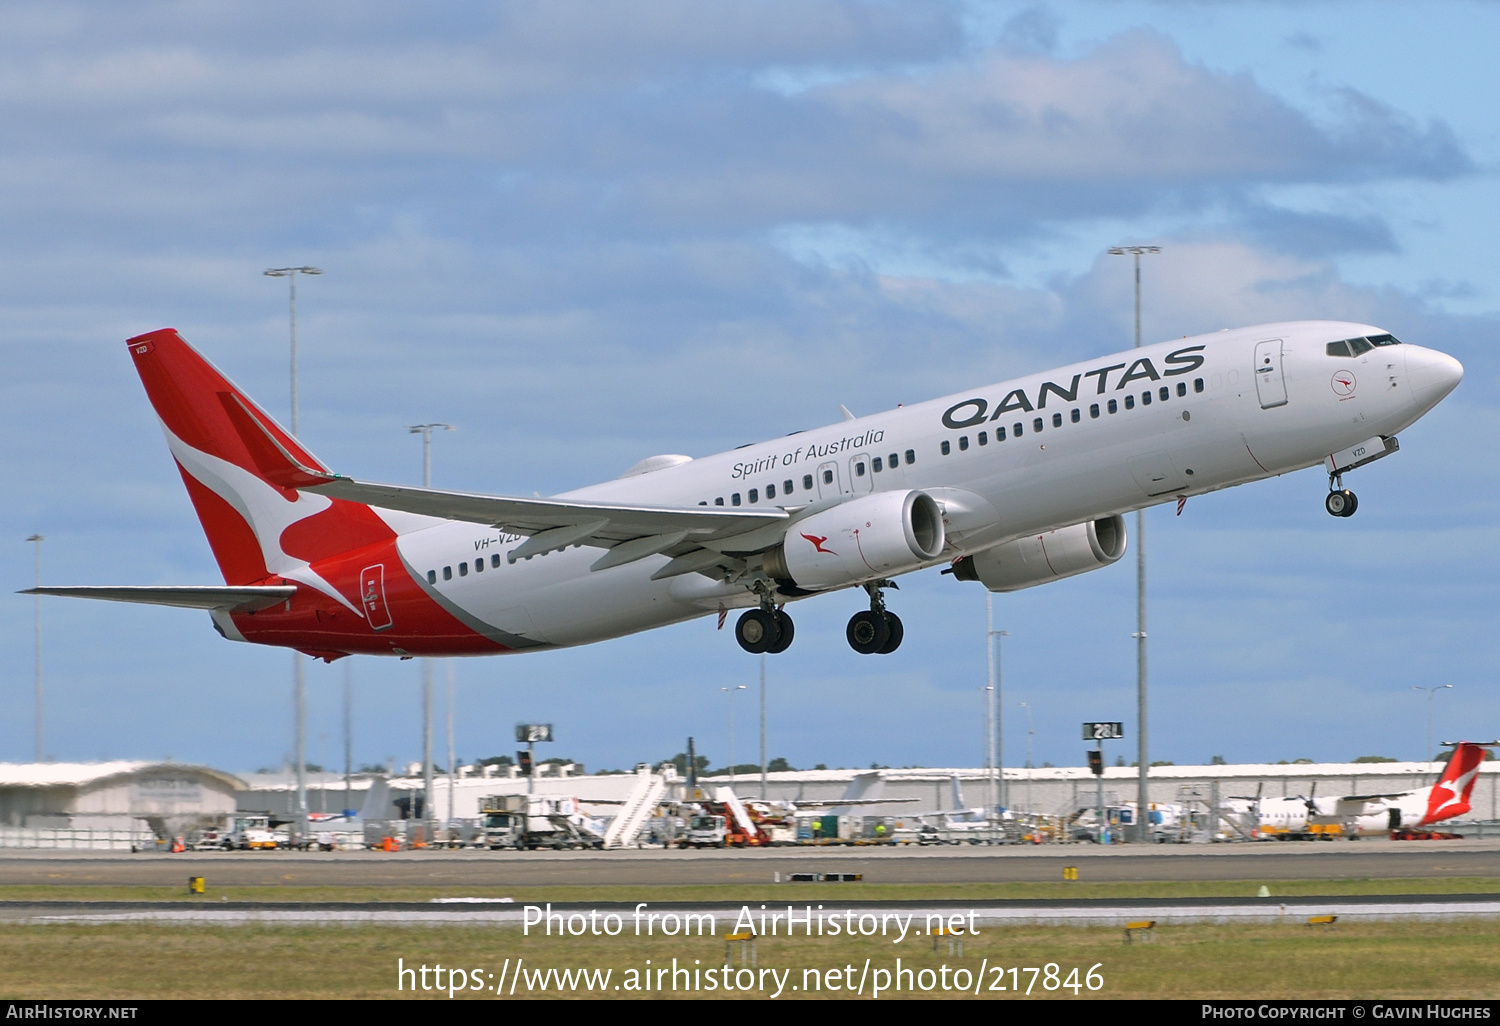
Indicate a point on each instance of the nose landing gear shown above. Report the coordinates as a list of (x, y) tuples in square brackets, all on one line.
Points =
[(1340, 502), (875, 631)]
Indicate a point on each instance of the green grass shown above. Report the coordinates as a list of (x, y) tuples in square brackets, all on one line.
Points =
[(780, 893), (1356, 960)]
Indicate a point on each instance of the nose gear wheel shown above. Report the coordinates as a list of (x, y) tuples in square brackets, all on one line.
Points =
[(1341, 502)]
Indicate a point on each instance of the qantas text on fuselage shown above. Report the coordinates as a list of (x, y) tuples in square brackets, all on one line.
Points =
[(1011, 485)]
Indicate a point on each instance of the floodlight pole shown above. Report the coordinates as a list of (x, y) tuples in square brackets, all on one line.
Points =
[(764, 793), (997, 736), (452, 758), (37, 540), (1427, 757), (299, 682), (348, 737), (428, 813), (1029, 732), (988, 691), (1143, 777), (730, 692)]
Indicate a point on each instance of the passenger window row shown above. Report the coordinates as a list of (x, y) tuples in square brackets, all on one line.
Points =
[(1018, 428), (753, 495), (463, 569)]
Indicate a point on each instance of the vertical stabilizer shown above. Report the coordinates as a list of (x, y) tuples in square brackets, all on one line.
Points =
[(1449, 797), (242, 471)]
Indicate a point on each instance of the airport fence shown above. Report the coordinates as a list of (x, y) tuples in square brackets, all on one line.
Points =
[(80, 838)]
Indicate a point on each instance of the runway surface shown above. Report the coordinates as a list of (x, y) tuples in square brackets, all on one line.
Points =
[(1266, 861), (657, 915)]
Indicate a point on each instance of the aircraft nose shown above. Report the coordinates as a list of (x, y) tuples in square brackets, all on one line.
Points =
[(1433, 374)]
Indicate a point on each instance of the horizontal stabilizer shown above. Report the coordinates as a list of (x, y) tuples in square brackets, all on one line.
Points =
[(233, 599)]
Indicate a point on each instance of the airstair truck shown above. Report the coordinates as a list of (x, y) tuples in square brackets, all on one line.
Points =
[(724, 822)]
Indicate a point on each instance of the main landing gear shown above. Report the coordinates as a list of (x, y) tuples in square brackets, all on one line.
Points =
[(767, 629), (1341, 501), (875, 631)]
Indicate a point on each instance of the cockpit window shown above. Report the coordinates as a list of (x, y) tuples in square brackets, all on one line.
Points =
[(1359, 346)]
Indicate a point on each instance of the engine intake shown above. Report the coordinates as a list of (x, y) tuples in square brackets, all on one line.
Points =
[(1040, 558), (877, 535)]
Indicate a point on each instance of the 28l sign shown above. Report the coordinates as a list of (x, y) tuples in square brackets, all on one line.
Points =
[(1103, 731)]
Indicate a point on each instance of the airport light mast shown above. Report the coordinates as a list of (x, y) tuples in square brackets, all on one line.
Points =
[(1029, 732), (428, 814), (764, 793), (37, 540), (730, 692), (1426, 756), (299, 681), (997, 737), (989, 755), (1143, 779)]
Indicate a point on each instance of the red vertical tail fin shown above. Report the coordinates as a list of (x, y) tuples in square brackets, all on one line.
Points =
[(1449, 797), (242, 471)]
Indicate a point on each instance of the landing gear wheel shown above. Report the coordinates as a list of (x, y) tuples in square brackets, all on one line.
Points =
[(1341, 503), (787, 630), (757, 631), (868, 632), (893, 642)]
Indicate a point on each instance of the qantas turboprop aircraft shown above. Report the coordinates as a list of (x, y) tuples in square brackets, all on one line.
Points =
[(1421, 807), (1357, 814), (1012, 485)]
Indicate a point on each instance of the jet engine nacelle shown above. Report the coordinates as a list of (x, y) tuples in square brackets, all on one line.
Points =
[(1040, 558), (877, 535)]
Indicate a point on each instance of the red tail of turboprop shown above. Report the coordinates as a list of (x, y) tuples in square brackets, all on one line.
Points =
[(1450, 795), (243, 489)]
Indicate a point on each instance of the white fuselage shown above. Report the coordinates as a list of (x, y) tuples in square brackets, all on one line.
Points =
[(1080, 453)]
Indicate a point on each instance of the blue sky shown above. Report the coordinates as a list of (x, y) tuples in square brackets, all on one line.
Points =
[(585, 233)]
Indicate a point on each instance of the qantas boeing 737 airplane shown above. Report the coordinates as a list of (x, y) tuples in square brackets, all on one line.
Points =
[(1012, 485)]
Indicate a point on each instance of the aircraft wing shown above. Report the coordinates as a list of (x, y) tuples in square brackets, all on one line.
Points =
[(532, 516), (1359, 798), (234, 599), (834, 803), (629, 532)]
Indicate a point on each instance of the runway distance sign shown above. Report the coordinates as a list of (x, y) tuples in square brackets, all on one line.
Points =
[(530, 733), (1103, 731)]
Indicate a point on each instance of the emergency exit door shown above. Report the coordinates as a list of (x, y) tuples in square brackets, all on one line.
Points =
[(1270, 384), (372, 597)]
